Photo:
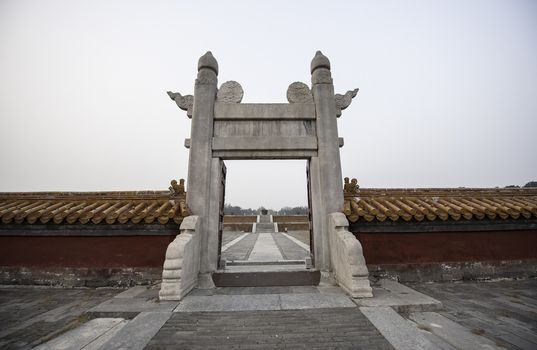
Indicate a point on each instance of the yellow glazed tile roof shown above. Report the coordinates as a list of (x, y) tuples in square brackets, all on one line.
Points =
[(368, 205), (440, 204), (95, 207)]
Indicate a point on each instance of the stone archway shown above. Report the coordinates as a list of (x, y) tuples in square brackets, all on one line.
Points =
[(224, 128)]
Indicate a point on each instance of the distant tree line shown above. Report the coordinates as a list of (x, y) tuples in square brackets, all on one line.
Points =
[(237, 210), (530, 184)]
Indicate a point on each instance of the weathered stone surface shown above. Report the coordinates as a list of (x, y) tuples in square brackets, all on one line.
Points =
[(31, 316), (269, 143), (314, 301), (319, 61), (344, 101), (82, 336), (299, 92), (229, 303), (457, 335), (348, 263), (502, 311), (132, 292), (401, 298), (184, 102), (230, 92), (138, 332), (340, 328), (208, 61), (182, 264), (264, 111), (127, 306), (397, 330)]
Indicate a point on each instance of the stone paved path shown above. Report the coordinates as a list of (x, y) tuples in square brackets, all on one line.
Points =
[(336, 328), (229, 236), (289, 249), (265, 249), (264, 246), (241, 250), (477, 315)]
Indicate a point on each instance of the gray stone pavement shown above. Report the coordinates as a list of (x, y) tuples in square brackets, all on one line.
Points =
[(465, 315), (336, 328), (503, 311), (32, 315), (289, 249), (228, 236), (241, 250), (268, 246)]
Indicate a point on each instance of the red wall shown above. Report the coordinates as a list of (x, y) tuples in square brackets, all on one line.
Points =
[(427, 247), (379, 248), (84, 251)]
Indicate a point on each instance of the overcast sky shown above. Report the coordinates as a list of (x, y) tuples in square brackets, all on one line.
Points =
[(448, 90)]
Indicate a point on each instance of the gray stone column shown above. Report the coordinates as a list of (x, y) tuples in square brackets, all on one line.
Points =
[(199, 165), (329, 165)]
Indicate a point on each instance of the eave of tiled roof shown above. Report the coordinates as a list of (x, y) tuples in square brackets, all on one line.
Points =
[(369, 205), (441, 204), (92, 207)]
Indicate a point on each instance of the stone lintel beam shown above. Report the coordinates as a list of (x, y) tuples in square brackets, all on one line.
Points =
[(264, 143), (264, 111)]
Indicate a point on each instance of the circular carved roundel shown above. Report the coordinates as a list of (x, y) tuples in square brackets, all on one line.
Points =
[(299, 92), (230, 92)]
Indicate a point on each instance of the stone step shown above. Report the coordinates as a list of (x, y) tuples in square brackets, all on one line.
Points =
[(264, 219), (265, 228), (295, 277), (260, 263)]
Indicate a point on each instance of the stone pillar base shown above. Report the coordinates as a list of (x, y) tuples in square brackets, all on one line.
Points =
[(205, 281)]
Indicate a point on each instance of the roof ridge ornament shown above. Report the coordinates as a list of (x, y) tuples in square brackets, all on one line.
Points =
[(177, 189), (351, 189)]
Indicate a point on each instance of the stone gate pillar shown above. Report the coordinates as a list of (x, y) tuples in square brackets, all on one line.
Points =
[(326, 166), (200, 159)]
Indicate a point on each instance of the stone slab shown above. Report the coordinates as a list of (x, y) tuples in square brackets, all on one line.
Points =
[(301, 244), (452, 332), (262, 266), (82, 336), (264, 111), (401, 298), (280, 277), (314, 301), (233, 242), (268, 143), (265, 249), (397, 331), (263, 301), (229, 303), (98, 343), (132, 292), (128, 305), (138, 332)]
